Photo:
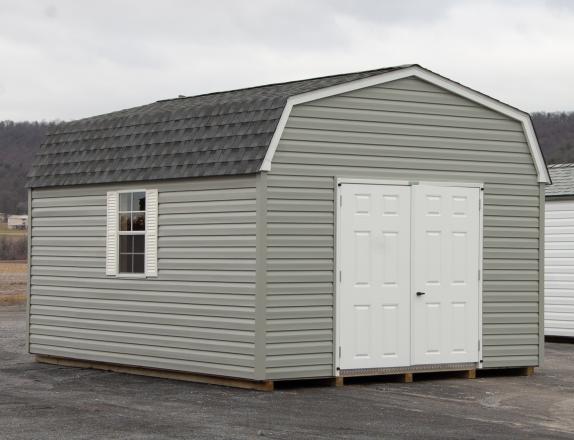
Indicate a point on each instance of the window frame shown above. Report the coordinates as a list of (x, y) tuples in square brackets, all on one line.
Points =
[(119, 233)]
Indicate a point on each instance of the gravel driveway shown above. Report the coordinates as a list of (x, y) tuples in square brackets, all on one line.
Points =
[(45, 402)]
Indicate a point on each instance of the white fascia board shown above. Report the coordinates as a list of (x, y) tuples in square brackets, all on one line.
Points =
[(425, 75)]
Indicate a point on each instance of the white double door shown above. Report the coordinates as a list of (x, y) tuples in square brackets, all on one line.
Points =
[(409, 275)]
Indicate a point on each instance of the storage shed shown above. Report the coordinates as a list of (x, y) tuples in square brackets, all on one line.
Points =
[(17, 222), (559, 309), (386, 221)]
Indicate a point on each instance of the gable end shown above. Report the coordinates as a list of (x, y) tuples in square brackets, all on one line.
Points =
[(425, 75)]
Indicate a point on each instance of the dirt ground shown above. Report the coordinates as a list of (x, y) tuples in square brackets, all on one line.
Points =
[(13, 282), (39, 401)]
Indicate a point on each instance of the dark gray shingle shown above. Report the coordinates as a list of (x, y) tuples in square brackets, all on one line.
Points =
[(562, 175), (225, 133)]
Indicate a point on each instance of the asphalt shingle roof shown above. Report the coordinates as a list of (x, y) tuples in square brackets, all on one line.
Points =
[(224, 133), (562, 175)]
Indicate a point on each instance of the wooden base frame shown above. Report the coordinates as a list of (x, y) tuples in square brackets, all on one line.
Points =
[(408, 377), (526, 371), (266, 385)]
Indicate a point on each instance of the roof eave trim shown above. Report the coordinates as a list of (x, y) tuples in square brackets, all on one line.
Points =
[(426, 75)]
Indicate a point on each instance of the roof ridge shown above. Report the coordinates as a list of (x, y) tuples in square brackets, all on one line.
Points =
[(401, 66), (126, 111)]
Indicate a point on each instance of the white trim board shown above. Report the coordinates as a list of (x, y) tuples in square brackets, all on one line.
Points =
[(425, 75), (342, 180)]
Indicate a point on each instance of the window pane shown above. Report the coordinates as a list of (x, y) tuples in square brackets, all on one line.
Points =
[(126, 263), (138, 263), (126, 222), (132, 218), (125, 201), (126, 244), (138, 221), (139, 201), (139, 243)]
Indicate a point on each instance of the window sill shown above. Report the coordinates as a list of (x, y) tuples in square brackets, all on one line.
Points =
[(131, 275)]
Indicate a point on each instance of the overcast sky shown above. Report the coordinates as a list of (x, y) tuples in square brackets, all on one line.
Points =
[(71, 59)]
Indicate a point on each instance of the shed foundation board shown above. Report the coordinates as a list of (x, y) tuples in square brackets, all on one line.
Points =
[(164, 374)]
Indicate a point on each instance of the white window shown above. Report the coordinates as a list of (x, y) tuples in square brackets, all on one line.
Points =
[(131, 247)]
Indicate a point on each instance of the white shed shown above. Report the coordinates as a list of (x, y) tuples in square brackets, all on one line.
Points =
[(559, 252), (17, 221)]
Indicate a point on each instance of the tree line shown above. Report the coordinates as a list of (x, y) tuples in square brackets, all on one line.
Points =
[(555, 132), (18, 144)]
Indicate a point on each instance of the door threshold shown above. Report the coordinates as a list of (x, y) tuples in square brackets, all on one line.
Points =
[(410, 369)]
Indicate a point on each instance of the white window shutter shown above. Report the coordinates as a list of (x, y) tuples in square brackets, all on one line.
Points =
[(112, 234), (151, 202)]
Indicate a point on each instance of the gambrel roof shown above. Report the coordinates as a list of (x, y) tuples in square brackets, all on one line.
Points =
[(225, 133)]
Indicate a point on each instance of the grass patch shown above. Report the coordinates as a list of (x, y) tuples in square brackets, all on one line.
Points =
[(12, 232), (13, 282), (12, 299), (13, 266)]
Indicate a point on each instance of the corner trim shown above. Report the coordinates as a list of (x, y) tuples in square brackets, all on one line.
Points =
[(426, 75), (541, 274), (29, 277), (260, 349)]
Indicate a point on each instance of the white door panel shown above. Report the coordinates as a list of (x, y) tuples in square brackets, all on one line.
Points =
[(445, 267), (375, 286), (395, 241)]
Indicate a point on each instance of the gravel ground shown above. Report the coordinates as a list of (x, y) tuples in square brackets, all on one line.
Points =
[(46, 402)]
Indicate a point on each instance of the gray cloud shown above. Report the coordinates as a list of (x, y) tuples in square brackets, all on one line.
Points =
[(68, 59)]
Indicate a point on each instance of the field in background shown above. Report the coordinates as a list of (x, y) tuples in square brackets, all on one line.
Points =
[(12, 232), (13, 282)]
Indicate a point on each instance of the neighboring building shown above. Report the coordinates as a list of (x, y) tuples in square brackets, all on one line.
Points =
[(17, 221), (378, 222), (559, 259)]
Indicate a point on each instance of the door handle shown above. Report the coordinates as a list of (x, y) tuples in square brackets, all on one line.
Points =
[(421, 293)]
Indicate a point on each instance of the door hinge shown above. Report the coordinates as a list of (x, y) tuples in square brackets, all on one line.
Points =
[(478, 274), (341, 200), (339, 351), (340, 276), (479, 345)]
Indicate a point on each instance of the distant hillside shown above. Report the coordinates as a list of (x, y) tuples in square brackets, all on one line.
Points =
[(555, 133), (18, 143), (20, 140)]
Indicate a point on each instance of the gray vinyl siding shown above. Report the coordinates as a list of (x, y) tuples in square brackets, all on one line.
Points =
[(198, 315), (405, 130), (300, 252)]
